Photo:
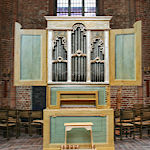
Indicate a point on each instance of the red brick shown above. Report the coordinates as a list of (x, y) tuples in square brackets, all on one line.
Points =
[(30, 14)]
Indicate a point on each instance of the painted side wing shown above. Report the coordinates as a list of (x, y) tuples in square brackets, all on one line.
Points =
[(125, 56), (30, 57)]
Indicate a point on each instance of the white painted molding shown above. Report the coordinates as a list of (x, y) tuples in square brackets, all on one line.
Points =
[(69, 56), (106, 46), (67, 22), (78, 83), (88, 33), (75, 18), (50, 34)]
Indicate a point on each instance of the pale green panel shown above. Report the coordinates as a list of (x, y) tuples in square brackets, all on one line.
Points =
[(102, 97), (57, 130), (26, 58), (36, 58), (125, 57), (101, 93), (30, 57), (118, 57), (129, 57)]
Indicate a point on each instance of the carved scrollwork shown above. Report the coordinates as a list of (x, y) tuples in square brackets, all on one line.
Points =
[(59, 60), (78, 25), (99, 43), (63, 41), (97, 60), (78, 54)]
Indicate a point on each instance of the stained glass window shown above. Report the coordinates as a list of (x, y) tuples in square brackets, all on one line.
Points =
[(76, 7)]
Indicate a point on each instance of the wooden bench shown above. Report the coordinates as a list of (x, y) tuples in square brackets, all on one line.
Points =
[(70, 126)]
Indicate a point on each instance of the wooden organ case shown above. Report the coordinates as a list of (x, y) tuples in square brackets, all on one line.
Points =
[(78, 89), (78, 59)]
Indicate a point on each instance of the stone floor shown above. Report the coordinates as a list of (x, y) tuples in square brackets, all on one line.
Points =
[(130, 144), (25, 142)]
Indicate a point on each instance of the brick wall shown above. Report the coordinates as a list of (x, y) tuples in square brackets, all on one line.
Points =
[(143, 13), (119, 9), (7, 17), (24, 97), (30, 14), (146, 91), (129, 96)]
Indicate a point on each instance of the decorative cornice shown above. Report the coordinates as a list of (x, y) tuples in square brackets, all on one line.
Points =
[(74, 18)]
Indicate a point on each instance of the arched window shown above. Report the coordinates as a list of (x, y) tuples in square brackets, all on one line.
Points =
[(76, 7)]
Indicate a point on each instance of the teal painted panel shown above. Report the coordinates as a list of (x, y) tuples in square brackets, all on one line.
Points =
[(36, 58), (25, 58), (57, 130), (102, 96), (101, 93), (125, 57), (30, 57)]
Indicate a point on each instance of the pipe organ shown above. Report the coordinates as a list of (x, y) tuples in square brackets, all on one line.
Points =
[(79, 54), (78, 89), (78, 59)]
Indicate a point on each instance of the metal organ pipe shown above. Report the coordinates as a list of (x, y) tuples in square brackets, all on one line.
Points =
[(97, 58), (59, 64), (78, 54)]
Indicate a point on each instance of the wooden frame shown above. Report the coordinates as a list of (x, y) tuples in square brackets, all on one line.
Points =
[(59, 93), (109, 145), (57, 106), (137, 31), (107, 106), (85, 125), (18, 33)]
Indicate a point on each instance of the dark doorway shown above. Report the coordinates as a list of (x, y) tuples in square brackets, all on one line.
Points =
[(38, 97)]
